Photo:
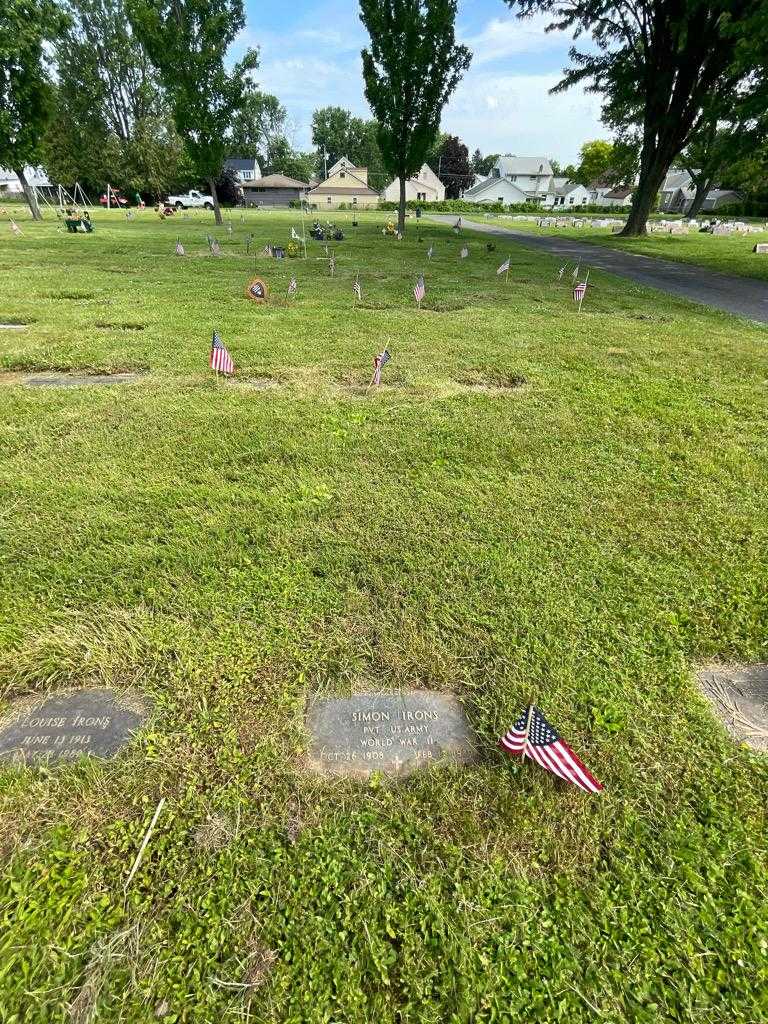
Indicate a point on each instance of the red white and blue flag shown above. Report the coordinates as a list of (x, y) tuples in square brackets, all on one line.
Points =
[(378, 361), (419, 290), (179, 247), (532, 736), (357, 289), (221, 360), (579, 292), (504, 268), (292, 286), (464, 252)]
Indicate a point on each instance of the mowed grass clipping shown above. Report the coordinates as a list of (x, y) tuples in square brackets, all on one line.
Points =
[(535, 506), (728, 254)]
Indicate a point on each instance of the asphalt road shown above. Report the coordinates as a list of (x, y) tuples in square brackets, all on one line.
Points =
[(744, 296)]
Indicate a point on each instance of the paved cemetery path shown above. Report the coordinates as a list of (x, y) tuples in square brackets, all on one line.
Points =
[(744, 296)]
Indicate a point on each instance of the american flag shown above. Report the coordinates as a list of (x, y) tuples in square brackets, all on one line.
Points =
[(419, 290), (457, 226), (292, 286), (378, 361), (221, 360), (357, 289), (430, 251), (267, 250), (179, 247), (580, 291), (399, 236), (15, 228), (229, 229), (332, 264), (503, 269), (561, 271), (215, 248), (534, 737), (464, 252)]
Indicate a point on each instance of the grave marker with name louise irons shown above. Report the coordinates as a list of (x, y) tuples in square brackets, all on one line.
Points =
[(395, 733), (66, 725)]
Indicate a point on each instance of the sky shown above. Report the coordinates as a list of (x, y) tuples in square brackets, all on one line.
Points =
[(310, 58)]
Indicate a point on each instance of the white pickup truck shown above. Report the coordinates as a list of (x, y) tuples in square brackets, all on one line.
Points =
[(192, 198)]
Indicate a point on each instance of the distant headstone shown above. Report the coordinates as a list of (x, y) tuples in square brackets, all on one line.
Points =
[(761, 249), (395, 733), (98, 722)]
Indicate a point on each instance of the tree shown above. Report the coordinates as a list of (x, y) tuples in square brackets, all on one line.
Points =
[(337, 132), (483, 164), (605, 163), (454, 171), (26, 91), (258, 127), (110, 123), (656, 62), (412, 67), (187, 41)]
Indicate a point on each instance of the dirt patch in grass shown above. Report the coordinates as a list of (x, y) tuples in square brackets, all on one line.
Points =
[(102, 326), (71, 296), (491, 383), (254, 383), (56, 379), (446, 306), (216, 832), (739, 698)]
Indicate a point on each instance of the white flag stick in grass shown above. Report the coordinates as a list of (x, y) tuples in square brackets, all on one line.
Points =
[(504, 269), (464, 252), (581, 290), (144, 843), (15, 228), (357, 288), (562, 271)]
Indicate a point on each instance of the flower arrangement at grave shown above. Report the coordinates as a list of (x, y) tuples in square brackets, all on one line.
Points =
[(292, 250), (390, 228)]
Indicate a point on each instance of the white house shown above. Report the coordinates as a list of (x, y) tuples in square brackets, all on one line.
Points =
[(345, 185), (677, 192), (426, 187), (531, 174), (619, 196), (496, 190), (245, 169), (10, 184)]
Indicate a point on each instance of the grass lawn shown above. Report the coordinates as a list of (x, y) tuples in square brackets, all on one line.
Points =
[(583, 540), (730, 254)]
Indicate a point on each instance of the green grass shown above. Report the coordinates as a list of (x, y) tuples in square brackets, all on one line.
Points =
[(583, 541), (730, 254)]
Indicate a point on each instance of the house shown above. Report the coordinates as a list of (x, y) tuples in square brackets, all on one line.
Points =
[(616, 197), (245, 169), (426, 187), (677, 192), (531, 174), (274, 190), (718, 198), (566, 194), (345, 184), (10, 184), (496, 190)]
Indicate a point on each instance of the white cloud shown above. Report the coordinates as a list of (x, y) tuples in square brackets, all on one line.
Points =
[(506, 37), (508, 113)]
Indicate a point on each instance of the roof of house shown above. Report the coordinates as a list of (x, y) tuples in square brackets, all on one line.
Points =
[(241, 163), (568, 187), (523, 165), (676, 179), (558, 182), (489, 184), (618, 193), (276, 181)]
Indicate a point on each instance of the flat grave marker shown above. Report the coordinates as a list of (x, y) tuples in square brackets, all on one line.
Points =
[(739, 697), (63, 726), (394, 733), (70, 380)]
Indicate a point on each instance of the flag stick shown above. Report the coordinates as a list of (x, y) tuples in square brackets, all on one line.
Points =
[(506, 276), (527, 729), (586, 279), (145, 841), (303, 230)]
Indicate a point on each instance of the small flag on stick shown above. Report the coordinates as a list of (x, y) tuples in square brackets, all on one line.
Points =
[(504, 269), (580, 291), (561, 271), (575, 274), (457, 226), (357, 289), (15, 228), (532, 736), (332, 264), (267, 250), (229, 229), (292, 287), (464, 252), (215, 248), (419, 291), (378, 361), (221, 360), (430, 252), (294, 236), (179, 247)]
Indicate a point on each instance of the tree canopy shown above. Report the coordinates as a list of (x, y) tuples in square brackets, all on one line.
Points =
[(411, 68), (26, 90), (453, 167), (656, 63), (187, 41)]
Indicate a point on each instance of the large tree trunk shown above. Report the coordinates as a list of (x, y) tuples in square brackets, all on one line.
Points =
[(401, 208), (703, 185), (651, 178), (215, 197), (29, 192)]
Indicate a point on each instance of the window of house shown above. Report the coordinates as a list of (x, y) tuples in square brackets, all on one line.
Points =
[(500, 199), (247, 175), (571, 200), (328, 200), (354, 200), (342, 174), (513, 177)]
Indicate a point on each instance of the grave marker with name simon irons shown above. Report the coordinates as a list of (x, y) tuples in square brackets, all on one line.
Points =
[(395, 733), (63, 726)]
